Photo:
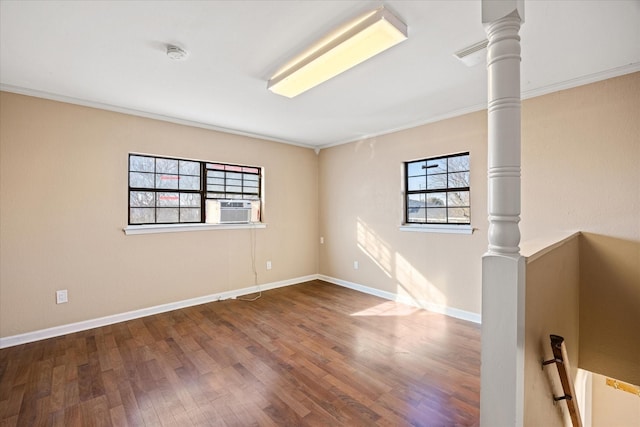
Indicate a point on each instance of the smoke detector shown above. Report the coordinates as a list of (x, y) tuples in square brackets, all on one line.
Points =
[(474, 54), (176, 53)]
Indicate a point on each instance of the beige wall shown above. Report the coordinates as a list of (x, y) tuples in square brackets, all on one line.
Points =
[(63, 205), (580, 156), (361, 211), (613, 408), (552, 307), (610, 306), (581, 171)]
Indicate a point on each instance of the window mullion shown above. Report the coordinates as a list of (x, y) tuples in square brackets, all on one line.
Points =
[(203, 189)]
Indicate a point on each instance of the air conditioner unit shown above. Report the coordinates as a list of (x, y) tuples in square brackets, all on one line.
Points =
[(229, 211)]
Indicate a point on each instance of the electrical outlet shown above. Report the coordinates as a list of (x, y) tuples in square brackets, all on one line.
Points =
[(322, 240), (268, 265), (356, 265), (62, 296)]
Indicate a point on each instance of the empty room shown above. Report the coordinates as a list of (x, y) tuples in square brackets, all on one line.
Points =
[(320, 213)]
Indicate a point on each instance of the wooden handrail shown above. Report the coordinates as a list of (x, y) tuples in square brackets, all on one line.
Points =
[(561, 360)]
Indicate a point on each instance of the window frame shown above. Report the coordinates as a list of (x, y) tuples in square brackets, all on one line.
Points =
[(255, 194), (446, 226), (230, 169)]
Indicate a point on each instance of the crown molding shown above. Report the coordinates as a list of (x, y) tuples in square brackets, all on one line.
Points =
[(582, 80), (145, 114), (532, 93)]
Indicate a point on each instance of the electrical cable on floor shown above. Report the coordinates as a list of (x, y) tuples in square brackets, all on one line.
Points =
[(253, 266)]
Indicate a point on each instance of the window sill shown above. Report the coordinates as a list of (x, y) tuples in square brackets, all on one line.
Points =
[(176, 228), (438, 228)]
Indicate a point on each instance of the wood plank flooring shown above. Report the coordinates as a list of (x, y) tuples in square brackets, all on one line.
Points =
[(313, 354)]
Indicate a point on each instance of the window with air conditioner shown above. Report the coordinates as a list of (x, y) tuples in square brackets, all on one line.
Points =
[(165, 190)]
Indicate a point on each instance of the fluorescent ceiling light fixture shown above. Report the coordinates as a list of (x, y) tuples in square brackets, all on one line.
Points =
[(369, 36)]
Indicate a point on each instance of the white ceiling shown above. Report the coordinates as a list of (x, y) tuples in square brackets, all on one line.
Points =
[(111, 54)]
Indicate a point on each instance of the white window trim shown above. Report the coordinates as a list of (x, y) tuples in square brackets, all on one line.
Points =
[(184, 226), (438, 228), (176, 228), (450, 228)]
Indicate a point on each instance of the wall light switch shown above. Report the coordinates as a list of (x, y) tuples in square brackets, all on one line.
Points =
[(356, 265), (62, 296), (268, 265)]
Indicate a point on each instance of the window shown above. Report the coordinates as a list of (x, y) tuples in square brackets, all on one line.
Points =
[(232, 182), (176, 191), (437, 190)]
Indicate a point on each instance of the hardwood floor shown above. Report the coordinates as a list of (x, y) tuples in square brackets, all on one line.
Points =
[(311, 354)]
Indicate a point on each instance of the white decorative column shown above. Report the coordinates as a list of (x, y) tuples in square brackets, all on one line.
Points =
[(502, 372)]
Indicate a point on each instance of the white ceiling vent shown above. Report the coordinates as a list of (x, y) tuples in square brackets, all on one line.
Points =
[(474, 54)]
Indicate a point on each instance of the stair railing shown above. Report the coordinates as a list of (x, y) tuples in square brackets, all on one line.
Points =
[(561, 360)]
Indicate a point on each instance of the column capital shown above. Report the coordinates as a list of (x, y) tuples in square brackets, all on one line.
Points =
[(492, 10)]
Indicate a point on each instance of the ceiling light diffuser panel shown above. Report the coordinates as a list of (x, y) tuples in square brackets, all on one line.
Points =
[(368, 37)]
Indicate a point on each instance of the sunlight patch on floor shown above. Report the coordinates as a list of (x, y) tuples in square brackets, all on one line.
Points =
[(389, 308)]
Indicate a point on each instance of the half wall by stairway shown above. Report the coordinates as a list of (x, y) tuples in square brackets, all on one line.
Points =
[(574, 283)]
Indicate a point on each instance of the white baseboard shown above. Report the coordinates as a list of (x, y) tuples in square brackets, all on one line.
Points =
[(449, 311), (70, 328)]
